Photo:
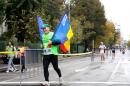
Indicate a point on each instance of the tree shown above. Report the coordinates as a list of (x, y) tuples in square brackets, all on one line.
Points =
[(18, 15), (128, 44), (76, 28), (21, 16), (108, 38), (116, 37), (91, 15), (53, 11), (3, 4)]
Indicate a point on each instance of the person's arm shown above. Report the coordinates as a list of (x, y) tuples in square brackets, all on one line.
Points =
[(15, 52), (49, 44), (41, 45), (14, 48), (42, 41), (99, 48), (104, 48), (55, 42), (6, 48)]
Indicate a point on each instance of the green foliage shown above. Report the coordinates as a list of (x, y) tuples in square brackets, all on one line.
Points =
[(3, 45), (53, 10), (111, 36), (3, 4), (91, 15), (4, 36), (21, 16), (77, 31), (128, 44), (87, 20)]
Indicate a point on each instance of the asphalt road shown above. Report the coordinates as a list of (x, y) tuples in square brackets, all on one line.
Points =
[(77, 71)]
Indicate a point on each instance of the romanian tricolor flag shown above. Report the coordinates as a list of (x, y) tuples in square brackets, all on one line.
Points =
[(40, 24), (63, 33)]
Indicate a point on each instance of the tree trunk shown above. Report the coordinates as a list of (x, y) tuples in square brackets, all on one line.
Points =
[(86, 46), (77, 50)]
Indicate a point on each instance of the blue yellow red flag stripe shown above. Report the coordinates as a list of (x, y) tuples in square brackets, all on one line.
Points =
[(64, 33)]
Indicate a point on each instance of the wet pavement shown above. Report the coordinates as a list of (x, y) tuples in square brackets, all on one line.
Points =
[(79, 71)]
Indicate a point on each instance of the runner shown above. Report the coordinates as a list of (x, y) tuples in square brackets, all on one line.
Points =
[(102, 48), (113, 52), (50, 54), (123, 50)]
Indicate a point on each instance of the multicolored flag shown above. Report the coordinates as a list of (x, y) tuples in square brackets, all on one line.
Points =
[(40, 24), (63, 33)]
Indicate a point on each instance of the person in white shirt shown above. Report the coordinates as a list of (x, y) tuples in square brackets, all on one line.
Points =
[(102, 48)]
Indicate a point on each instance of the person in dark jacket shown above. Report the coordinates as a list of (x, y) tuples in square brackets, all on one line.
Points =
[(113, 52)]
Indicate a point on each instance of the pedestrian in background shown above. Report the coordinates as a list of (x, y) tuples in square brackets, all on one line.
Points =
[(102, 48), (113, 52), (11, 48), (21, 55), (123, 50)]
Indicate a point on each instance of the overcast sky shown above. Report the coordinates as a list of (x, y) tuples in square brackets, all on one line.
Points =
[(119, 12)]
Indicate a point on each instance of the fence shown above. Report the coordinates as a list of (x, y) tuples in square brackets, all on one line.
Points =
[(32, 61)]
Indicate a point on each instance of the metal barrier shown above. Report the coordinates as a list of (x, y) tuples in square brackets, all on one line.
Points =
[(32, 60), (33, 64)]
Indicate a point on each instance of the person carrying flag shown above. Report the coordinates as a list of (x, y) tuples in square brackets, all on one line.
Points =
[(50, 50)]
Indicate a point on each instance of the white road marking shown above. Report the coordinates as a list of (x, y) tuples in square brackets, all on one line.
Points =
[(10, 79), (116, 68), (125, 66), (29, 70), (64, 82), (82, 69)]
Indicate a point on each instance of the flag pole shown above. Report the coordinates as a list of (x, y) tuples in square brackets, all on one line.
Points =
[(69, 9), (69, 16)]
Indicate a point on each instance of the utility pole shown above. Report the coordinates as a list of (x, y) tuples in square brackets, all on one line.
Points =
[(69, 9), (92, 58)]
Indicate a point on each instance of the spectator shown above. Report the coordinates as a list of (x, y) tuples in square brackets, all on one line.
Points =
[(10, 49)]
